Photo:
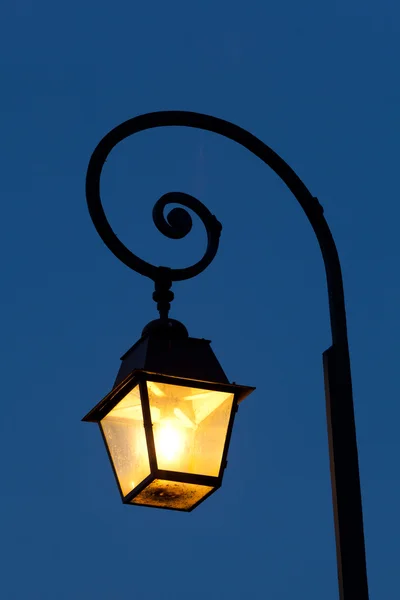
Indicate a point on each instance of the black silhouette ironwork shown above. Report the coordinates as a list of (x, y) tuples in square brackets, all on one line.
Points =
[(346, 490)]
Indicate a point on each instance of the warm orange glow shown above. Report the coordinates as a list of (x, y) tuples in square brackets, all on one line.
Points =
[(190, 427), (171, 494), (184, 419), (189, 430), (170, 439), (126, 440)]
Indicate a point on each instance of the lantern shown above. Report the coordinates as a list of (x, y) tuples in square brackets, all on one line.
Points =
[(167, 421)]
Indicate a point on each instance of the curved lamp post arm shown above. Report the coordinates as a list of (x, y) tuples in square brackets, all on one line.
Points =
[(343, 452)]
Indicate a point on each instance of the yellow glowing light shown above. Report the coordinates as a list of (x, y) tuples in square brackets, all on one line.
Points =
[(170, 439), (184, 419), (153, 387)]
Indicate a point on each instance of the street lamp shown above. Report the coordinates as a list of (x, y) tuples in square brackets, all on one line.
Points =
[(152, 421)]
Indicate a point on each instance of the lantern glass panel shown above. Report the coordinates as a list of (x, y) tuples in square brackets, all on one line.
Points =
[(125, 436), (190, 426), (171, 494)]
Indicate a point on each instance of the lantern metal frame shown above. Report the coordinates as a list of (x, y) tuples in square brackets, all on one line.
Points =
[(342, 440), (139, 377)]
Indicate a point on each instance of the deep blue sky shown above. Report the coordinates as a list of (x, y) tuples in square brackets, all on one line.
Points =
[(317, 81)]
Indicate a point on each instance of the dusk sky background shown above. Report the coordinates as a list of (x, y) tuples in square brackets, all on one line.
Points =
[(318, 82)]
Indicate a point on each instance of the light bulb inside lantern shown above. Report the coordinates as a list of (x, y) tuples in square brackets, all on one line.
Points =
[(170, 440)]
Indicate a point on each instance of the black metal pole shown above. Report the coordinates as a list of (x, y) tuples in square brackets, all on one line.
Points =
[(346, 490)]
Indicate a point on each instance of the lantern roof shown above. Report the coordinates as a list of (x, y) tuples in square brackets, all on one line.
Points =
[(166, 348)]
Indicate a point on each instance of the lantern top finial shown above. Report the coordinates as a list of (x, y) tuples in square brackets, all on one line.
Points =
[(165, 328)]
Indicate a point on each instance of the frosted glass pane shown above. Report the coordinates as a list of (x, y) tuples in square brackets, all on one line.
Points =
[(124, 431), (190, 427), (171, 494)]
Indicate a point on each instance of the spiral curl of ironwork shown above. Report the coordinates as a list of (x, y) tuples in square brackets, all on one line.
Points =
[(176, 225)]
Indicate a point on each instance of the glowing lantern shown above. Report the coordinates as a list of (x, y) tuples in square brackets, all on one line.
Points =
[(168, 419)]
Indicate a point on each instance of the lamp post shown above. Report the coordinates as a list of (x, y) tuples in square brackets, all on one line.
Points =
[(166, 333)]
